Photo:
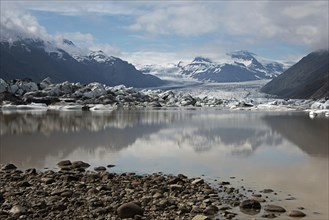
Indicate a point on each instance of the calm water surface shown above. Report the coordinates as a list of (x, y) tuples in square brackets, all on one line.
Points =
[(287, 152)]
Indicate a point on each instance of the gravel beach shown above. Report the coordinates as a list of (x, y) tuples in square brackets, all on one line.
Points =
[(76, 193)]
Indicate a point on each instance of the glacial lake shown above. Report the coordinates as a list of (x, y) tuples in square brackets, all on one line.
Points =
[(286, 151)]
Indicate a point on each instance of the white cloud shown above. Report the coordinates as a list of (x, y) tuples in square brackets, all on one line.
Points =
[(185, 19), (232, 24), (15, 22), (291, 22)]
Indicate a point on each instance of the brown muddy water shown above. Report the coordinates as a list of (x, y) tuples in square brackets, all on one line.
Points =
[(286, 152)]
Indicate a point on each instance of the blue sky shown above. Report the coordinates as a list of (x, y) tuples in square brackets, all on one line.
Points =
[(146, 32)]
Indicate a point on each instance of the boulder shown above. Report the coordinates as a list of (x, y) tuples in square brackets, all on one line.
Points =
[(3, 85), (129, 210), (250, 204), (8, 166)]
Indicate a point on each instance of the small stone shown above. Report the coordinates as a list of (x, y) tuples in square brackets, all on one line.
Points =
[(274, 208), (197, 181), (129, 210), (200, 217), (100, 169), (296, 213), (259, 199), (64, 163), (157, 195), (24, 184), (250, 204), (268, 215), (211, 210), (110, 165), (31, 171), (174, 187), (9, 167), (67, 193), (224, 183), (257, 195), (47, 180), (267, 191), (17, 210), (80, 164)]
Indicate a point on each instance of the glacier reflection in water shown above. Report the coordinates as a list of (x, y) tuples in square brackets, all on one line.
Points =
[(284, 151), (30, 140)]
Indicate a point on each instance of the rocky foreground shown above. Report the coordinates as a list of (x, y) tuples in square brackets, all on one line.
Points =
[(74, 193), (23, 94)]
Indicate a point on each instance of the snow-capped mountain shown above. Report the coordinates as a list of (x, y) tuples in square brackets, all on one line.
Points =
[(38, 59), (237, 66), (240, 66)]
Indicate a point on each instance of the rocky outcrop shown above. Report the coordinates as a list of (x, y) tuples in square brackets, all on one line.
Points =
[(309, 78)]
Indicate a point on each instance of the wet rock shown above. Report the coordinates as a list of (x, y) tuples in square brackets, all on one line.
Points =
[(24, 184), (269, 215), (224, 183), (80, 164), (296, 213), (274, 208), (250, 204), (31, 171), (174, 187), (197, 181), (8, 167), (200, 217), (211, 210), (129, 210), (110, 165), (267, 191), (17, 210), (47, 180), (64, 163), (100, 169)]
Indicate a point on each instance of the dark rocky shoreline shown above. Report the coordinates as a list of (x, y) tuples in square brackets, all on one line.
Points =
[(91, 96), (76, 193)]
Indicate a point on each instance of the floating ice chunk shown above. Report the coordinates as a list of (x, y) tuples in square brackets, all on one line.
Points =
[(101, 107), (72, 107)]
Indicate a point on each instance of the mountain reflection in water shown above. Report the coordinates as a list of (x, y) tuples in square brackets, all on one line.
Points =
[(285, 151), (27, 138)]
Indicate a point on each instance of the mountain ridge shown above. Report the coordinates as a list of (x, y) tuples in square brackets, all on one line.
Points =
[(239, 66), (38, 59), (308, 78)]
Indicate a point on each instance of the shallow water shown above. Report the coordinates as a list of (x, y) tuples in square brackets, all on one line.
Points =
[(287, 152)]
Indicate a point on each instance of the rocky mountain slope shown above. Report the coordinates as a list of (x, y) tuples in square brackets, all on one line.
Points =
[(38, 59), (309, 78)]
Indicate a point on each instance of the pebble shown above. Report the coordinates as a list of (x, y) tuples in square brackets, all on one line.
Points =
[(200, 217), (296, 213), (100, 168), (64, 163), (250, 204), (17, 210), (267, 190), (87, 194), (274, 208)]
